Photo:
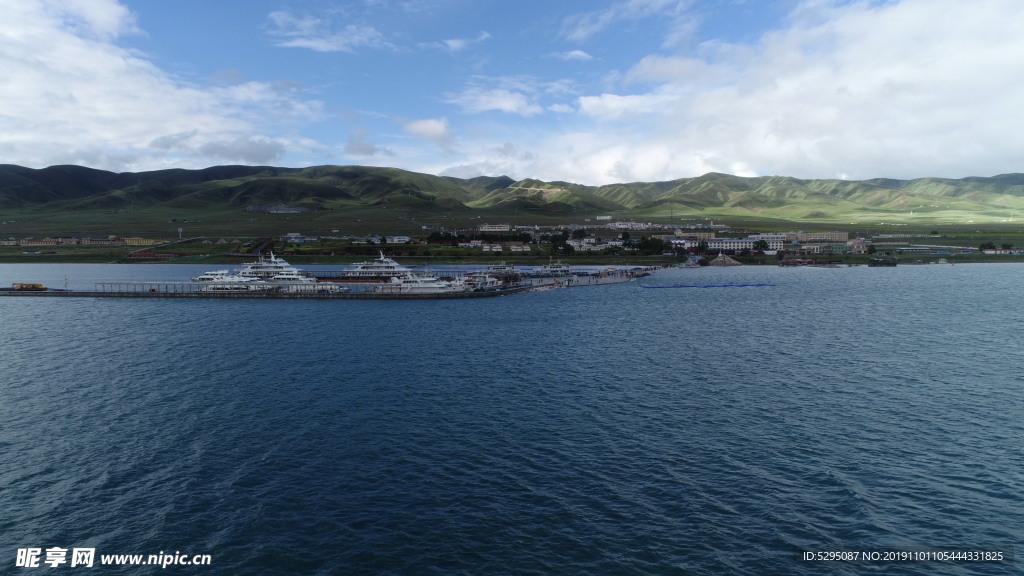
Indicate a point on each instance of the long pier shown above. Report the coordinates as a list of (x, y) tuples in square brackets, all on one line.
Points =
[(309, 291), (185, 290)]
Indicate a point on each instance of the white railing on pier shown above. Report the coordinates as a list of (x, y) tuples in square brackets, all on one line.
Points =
[(207, 287)]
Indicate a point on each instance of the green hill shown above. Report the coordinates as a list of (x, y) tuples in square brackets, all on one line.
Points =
[(72, 189)]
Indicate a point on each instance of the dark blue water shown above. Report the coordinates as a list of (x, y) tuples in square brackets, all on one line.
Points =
[(609, 430)]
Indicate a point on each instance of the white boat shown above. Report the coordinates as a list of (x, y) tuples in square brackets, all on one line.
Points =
[(501, 270), (267, 268), (291, 278), (504, 273), (555, 269), (211, 276), (483, 282), (380, 270), (256, 275), (417, 284)]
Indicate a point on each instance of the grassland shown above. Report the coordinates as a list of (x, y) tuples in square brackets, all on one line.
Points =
[(163, 222), (355, 200)]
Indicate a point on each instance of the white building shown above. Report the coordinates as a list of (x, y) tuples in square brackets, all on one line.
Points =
[(818, 236), (739, 244), (39, 242), (583, 245), (101, 241), (494, 228), (733, 244), (297, 238), (770, 237), (630, 225)]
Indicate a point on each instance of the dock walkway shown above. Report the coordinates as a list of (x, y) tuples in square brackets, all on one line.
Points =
[(176, 290), (307, 291)]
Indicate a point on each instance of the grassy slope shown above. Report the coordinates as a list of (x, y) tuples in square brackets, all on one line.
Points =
[(355, 199)]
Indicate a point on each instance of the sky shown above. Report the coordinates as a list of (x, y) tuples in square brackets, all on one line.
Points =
[(592, 92)]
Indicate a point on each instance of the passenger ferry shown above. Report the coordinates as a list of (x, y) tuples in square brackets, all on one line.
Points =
[(267, 268), (291, 277), (555, 269), (501, 269), (212, 276), (381, 270), (417, 284), (504, 273), (273, 270), (483, 282)]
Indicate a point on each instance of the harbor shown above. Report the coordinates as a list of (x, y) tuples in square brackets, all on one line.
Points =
[(192, 290), (271, 277)]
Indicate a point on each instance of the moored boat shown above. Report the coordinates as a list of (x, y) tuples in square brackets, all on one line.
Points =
[(554, 269), (419, 284), (211, 276), (504, 273), (266, 268), (291, 277), (381, 270), (482, 281), (501, 269), (269, 270), (25, 287)]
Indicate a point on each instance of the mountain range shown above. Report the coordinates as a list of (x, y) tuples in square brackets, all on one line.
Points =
[(72, 188)]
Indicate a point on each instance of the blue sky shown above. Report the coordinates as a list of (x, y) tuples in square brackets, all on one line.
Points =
[(594, 92)]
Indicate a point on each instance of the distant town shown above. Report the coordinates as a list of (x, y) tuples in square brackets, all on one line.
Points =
[(598, 236)]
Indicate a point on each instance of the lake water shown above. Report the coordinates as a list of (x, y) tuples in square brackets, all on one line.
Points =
[(610, 430)]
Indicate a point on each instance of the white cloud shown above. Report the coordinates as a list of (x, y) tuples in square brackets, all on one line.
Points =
[(246, 150), (71, 95), (901, 88), (432, 129), (512, 94), (612, 106), (104, 19), (673, 69), (456, 44), (580, 27), (476, 99), (896, 89), (357, 145), (573, 55), (173, 141), (559, 87), (317, 34)]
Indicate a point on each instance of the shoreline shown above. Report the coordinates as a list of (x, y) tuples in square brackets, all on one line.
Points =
[(618, 262), (262, 295)]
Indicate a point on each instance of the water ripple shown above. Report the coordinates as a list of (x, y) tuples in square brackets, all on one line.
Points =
[(606, 431)]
